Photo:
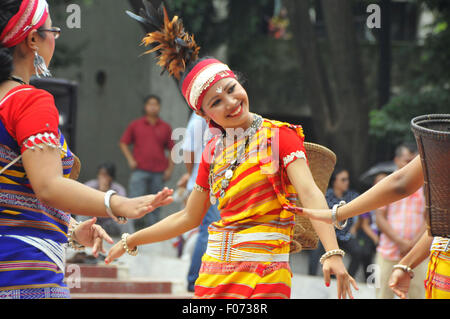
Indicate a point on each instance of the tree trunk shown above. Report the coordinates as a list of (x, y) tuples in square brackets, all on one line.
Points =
[(337, 97)]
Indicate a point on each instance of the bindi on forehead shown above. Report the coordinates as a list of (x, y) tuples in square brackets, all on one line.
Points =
[(219, 89)]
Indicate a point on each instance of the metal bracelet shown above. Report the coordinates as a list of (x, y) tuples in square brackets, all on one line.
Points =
[(405, 268), (334, 217), (120, 219), (133, 252)]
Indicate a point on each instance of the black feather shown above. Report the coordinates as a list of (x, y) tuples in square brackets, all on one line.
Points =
[(137, 18)]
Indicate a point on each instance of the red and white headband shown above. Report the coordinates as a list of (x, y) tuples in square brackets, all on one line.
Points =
[(202, 77), (32, 15)]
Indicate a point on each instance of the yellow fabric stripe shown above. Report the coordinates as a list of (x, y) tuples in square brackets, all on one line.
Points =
[(245, 278), (11, 212)]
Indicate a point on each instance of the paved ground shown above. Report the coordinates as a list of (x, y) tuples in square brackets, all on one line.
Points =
[(159, 261)]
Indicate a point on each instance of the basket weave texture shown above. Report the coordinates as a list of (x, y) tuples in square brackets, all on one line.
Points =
[(432, 133)]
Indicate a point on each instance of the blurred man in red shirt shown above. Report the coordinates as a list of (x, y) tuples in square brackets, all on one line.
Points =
[(150, 137)]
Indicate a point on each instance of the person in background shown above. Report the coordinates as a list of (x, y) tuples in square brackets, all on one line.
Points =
[(193, 147), (105, 181), (150, 137), (367, 238), (401, 224), (339, 191)]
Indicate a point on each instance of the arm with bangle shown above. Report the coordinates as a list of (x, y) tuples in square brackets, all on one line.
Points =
[(44, 170), (311, 196), (403, 272), (174, 225), (394, 187)]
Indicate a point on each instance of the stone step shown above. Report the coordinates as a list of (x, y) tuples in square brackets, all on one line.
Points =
[(93, 271), (130, 296), (116, 286)]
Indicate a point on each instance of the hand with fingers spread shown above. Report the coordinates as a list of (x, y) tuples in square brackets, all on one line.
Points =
[(138, 207), (91, 235), (334, 265), (399, 283)]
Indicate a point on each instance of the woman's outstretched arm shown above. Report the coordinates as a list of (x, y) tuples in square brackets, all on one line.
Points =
[(311, 196), (44, 170), (174, 225), (394, 187)]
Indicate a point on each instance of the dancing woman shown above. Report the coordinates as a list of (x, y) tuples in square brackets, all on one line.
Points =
[(35, 163), (253, 168), (396, 186)]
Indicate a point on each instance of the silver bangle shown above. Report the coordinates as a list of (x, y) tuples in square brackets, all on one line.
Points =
[(119, 220), (331, 253), (334, 218), (133, 252), (406, 269)]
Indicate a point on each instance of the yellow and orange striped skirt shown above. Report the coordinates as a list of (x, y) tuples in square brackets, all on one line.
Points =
[(243, 280), (437, 284)]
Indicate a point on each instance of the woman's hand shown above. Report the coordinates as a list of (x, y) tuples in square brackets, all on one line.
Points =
[(334, 265), (323, 215), (138, 207), (90, 235), (399, 283), (115, 252)]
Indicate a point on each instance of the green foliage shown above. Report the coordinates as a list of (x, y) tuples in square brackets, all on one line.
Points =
[(199, 18), (428, 89)]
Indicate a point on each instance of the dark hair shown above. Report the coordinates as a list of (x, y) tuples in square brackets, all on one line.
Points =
[(336, 172), (109, 167), (152, 96), (412, 148), (8, 8)]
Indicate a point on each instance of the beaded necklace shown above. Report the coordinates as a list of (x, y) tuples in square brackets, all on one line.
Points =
[(238, 159)]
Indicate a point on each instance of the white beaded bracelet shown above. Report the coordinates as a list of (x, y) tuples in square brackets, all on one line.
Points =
[(133, 252), (72, 243), (331, 253)]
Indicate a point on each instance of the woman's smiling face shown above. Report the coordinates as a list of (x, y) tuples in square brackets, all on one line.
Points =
[(226, 103)]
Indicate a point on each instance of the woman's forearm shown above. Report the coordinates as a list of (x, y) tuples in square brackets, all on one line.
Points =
[(311, 197), (325, 231), (394, 187), (68, 195), (419, 252), (170, 227)]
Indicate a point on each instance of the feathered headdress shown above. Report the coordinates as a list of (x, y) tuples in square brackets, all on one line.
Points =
[(174, 47), (176, 50)]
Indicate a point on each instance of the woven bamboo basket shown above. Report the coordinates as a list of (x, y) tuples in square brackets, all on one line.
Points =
[(321, 163), (432, 134), (76, 168)]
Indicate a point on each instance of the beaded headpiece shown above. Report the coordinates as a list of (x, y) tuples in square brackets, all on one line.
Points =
[(32, 15)]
